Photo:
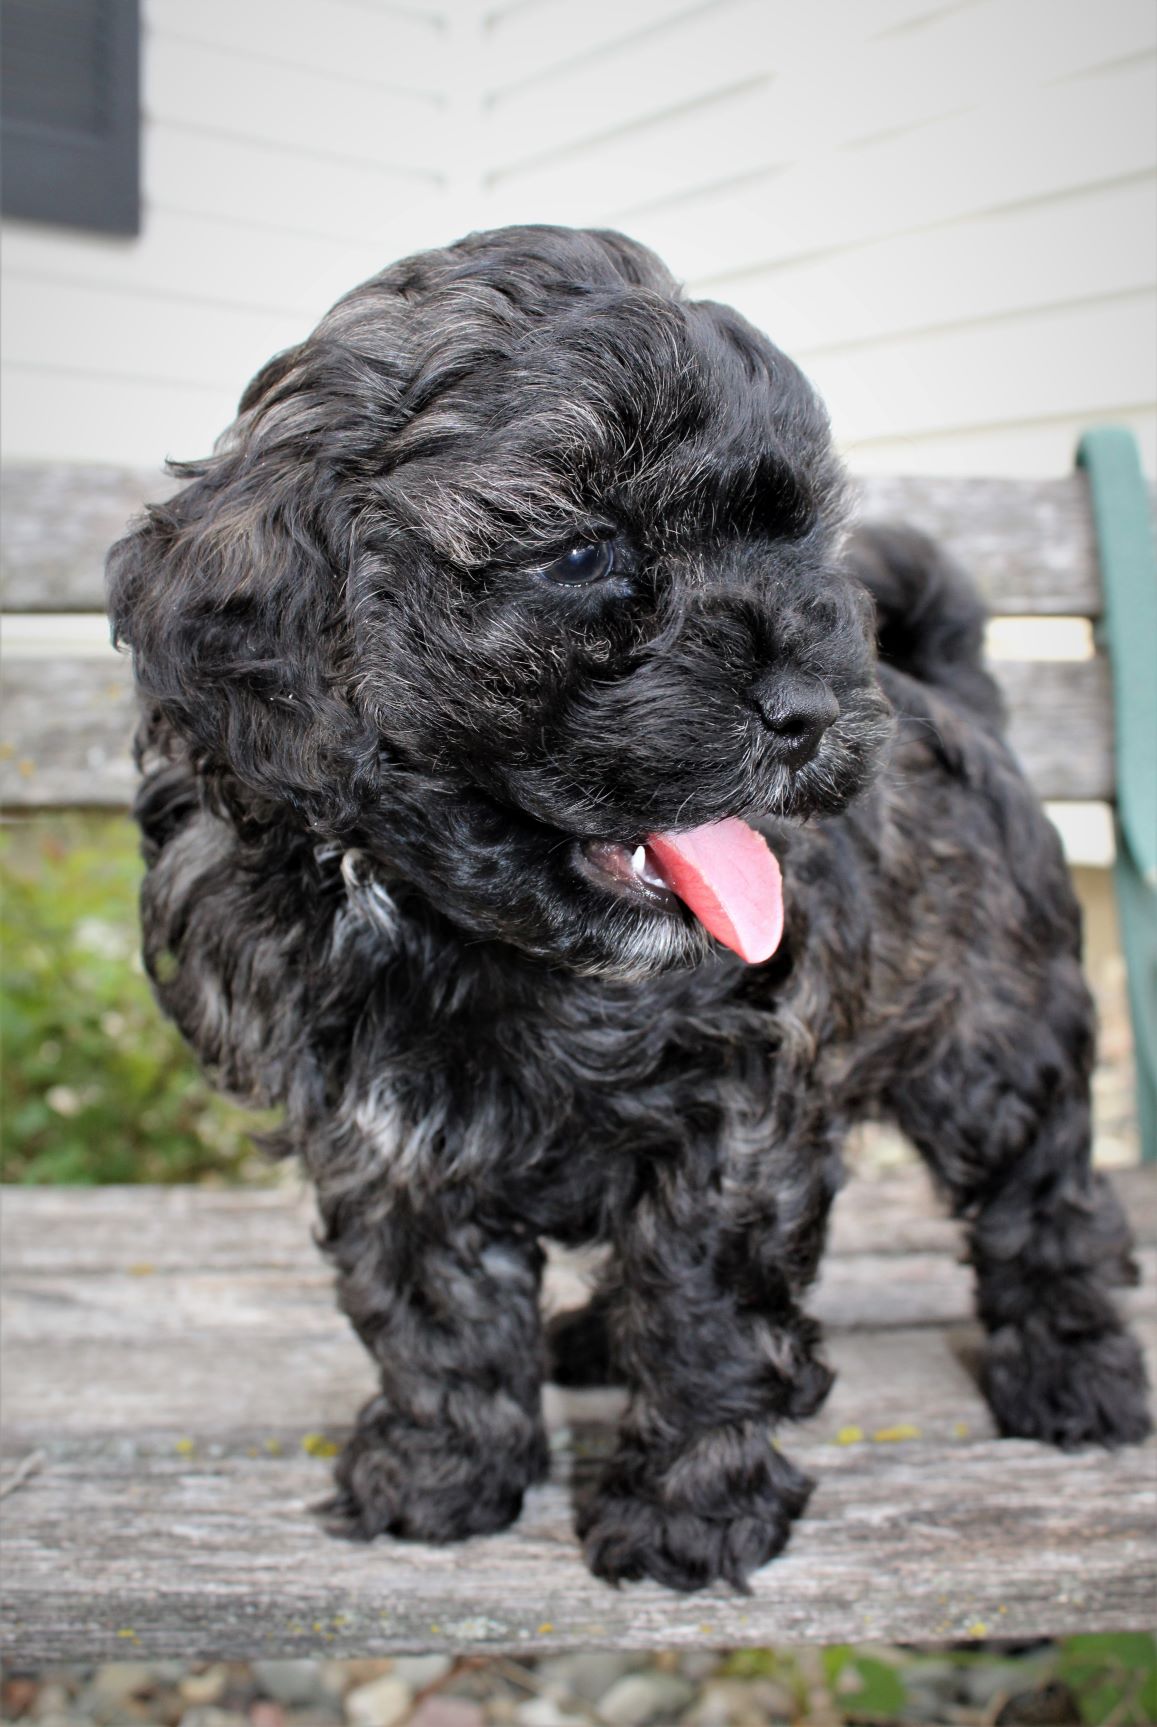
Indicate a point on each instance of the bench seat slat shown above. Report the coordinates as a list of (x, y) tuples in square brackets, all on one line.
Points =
[(63, 1231), (204, 1558), (173, 1412)]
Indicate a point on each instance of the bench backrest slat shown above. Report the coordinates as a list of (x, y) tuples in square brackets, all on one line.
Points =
[(67, 723), (1029, 543)]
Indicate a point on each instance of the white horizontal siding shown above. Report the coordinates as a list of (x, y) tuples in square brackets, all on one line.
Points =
[(1030, 366), (1078, 246), (1039, 448), (264, 185), (76, 328), (191, 257), (62, 417), (750, 69), (1076, 134), (944, 208), (532, 38), (290, 149), (386, 45), (226, 94)]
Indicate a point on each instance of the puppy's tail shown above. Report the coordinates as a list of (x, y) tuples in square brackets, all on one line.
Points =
[(930, 616)]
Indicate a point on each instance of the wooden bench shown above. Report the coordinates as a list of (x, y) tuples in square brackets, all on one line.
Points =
[(176, 1375)]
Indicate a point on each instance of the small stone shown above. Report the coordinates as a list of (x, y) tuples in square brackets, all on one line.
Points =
[(122, 1679), (383, 1703), (206, 1687), (296, 1684), (641, 1698), (771, 1702), (338, 1677), (547, 1712), (17, 1695), (116, 1691), (54, 1699), (740, 1703), (447, 1712), (419, 1671), (168, 1672), (500, 1710), (205, 1715), (587, 1676), (265, 1713), (698, 1664), (981, 1683)]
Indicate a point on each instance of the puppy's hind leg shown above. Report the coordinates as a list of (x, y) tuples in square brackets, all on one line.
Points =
[(1002, 1117), (449, 1312)]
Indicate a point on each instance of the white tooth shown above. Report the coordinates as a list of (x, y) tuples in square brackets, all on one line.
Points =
[(639, 859)]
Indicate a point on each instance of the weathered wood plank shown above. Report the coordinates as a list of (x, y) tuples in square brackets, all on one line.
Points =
[(112, 1553), (96, 1352), (60, 518), (71, 1230), (66, 1387), (1028, 543), (861, 1291), (154, 1392), (1061, 725), (67, 726), (174, 1394)]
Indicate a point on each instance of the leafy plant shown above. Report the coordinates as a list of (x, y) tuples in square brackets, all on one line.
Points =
[(98, 1087), (1113, 1676), (867, 1687)]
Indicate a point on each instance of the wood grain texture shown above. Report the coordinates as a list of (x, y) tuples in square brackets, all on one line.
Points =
[(67, 733), (61, 1230), (60, 518), (174, 1359), (1028, 543), (68, 724), (126, 1554)]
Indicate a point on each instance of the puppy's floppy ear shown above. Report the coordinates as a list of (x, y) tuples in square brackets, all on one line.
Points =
[(232, 597)]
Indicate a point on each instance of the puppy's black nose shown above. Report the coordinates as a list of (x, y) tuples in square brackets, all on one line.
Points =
[(797, 708)]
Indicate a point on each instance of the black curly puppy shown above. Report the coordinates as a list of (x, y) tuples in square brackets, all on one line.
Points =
[(528, 813)]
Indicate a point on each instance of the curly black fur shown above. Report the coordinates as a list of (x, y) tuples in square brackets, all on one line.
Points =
[(375, 738)]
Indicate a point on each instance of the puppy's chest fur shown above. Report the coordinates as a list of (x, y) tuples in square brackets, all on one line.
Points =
[(411, 1058), (407, 1056)]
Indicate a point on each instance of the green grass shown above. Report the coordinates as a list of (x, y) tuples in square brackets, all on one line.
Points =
[(97, 1086)]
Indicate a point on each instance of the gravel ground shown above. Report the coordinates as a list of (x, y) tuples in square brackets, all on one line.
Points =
[(752, 1688)]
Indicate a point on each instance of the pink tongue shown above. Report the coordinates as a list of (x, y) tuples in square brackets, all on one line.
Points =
[(729, 877)]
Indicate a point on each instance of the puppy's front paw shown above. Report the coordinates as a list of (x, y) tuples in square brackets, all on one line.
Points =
[(695, 1523), (425, 1484), (1075, 1390)]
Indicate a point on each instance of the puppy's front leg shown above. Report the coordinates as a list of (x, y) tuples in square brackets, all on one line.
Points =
[(449, 1311), (715, 1350)]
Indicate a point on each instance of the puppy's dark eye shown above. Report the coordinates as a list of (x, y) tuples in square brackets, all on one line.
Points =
[(582, 564)]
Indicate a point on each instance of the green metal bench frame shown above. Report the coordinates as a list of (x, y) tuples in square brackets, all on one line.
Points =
[(1121, 514)]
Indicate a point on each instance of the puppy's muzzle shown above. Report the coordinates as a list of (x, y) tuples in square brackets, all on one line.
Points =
[(797, 709)]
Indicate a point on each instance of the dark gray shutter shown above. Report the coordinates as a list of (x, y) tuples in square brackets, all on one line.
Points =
[(70, 112)]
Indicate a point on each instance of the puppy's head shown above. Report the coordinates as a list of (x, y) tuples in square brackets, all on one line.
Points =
[(520, 575)]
